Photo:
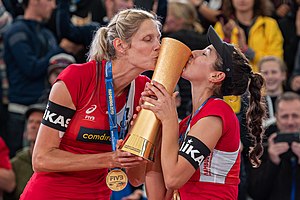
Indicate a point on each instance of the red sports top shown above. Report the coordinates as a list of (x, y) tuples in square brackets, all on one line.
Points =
[(87, 133), (218, 175), (4, 155), (4, 158)]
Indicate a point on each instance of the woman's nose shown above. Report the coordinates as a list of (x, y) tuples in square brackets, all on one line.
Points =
[(196, 53), (157, 45)]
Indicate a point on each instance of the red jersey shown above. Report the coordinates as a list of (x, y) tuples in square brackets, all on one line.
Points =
[(4, 155), (4, 158), (218, 175), (87, 133)]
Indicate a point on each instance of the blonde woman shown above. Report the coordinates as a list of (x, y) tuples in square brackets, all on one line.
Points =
[(77, 140)]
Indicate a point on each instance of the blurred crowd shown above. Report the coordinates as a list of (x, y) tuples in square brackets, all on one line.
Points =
[(40, 38)]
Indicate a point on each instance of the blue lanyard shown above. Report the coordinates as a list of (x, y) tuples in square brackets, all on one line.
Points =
[(111, 108), (183, 136), (294, 169)]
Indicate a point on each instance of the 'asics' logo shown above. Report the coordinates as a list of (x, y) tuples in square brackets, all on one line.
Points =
[(91, 109)]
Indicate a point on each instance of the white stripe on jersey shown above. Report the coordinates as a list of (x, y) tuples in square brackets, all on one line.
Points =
[(216, 168), (129, 105)]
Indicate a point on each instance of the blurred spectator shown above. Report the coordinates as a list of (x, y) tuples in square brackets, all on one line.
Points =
[(295, 77), (278, 177), (148, 5), (208, 11), (81, 33), (251, 28), (84, 34), (5, 21), (14, 7), (158, 6), (282, 8), (182, 24), (57, 63), (274, 71), (92, 9), (285, 14), (114, 6), (7, 177), (28, 48), (21, 163)]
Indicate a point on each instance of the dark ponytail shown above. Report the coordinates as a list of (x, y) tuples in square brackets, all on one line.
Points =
[(242, 78), (255, 115)]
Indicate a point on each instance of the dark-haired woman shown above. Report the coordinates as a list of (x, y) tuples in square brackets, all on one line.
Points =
[(204, 163)]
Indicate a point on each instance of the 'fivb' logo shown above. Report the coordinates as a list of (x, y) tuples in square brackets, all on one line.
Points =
[(188, 148)]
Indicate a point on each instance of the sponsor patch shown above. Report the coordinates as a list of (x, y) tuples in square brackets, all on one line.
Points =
[(194, 151), (57, 116), (94, 135)]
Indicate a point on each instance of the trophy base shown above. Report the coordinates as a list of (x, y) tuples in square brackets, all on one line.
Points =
[(138, 146)]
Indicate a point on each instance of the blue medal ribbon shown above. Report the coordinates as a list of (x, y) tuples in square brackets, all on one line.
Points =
[(183, 136), (111, 108)]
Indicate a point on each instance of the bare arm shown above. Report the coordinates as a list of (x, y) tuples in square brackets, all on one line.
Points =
[(7, 180), (155, 185), (176, 169), (48, 157)]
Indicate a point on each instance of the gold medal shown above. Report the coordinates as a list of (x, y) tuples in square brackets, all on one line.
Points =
[(116, 180)]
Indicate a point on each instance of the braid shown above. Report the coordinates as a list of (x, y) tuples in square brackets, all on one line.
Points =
[(255, 115)]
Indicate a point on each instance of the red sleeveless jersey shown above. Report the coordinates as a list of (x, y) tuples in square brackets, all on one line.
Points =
[(218, 175), (87, 133)]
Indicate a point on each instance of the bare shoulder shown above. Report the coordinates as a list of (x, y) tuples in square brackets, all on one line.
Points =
[(60, 95)]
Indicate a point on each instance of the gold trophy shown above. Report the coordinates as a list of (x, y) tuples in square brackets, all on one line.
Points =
[(172, 58)]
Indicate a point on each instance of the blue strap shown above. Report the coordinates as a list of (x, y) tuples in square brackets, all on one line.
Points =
[(294, 170), (111, 108), (183, 136)]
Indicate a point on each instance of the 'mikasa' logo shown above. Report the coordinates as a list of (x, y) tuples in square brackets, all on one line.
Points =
[(58, 121), (188, 148)]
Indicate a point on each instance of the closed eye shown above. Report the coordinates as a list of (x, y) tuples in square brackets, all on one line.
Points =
[(147, 38)]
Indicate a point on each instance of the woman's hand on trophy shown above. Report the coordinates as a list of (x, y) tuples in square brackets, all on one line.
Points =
[(122, 159), (164, 105), (147, 93)]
